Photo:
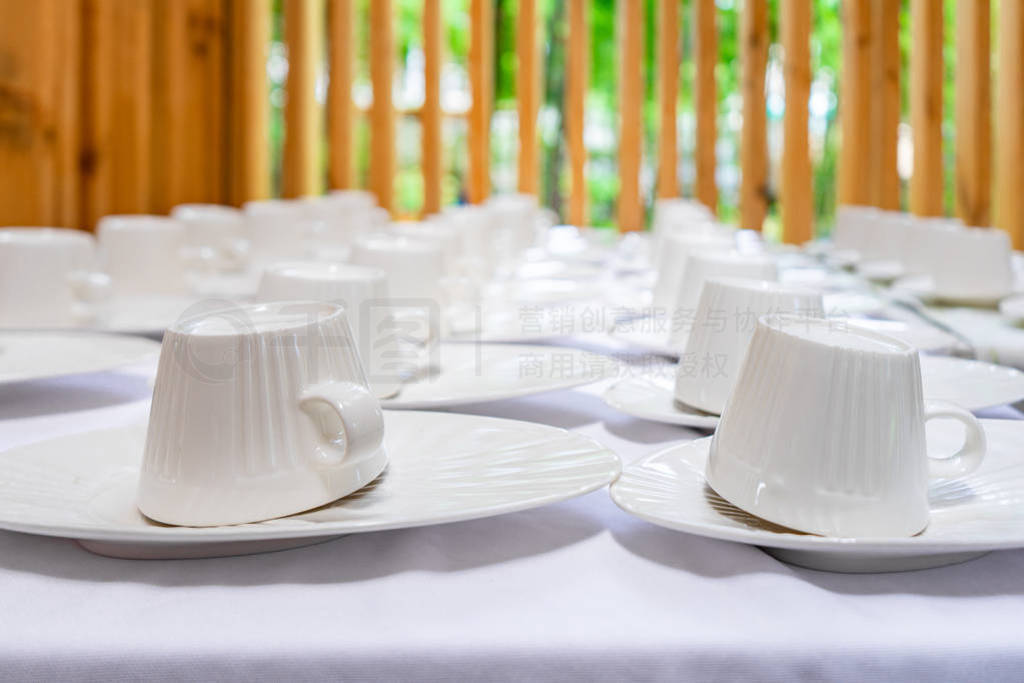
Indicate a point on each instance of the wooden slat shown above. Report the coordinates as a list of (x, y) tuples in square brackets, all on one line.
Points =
[(382, 113), (189, 155), (855, 104), (1010, 121), (926, 77), (576, 81), (631, 92), (753, 142), (527, 94), (341, 117), (302, 26), (668, 94), (973, 113), (39, 112), (431, 116), (481, 65), (883, 177), (705, 37), (115, 125), (797, 213), (249, 106)]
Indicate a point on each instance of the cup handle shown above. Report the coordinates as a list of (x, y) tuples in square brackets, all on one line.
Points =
[(348, 416), (968, 458)]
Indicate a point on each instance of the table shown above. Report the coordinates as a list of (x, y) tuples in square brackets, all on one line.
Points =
[(575, 590)]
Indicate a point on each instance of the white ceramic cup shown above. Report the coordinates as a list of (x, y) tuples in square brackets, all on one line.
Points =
[(48, 277), (825, 432), (277, 230), (215, 236), (514, 226), (671, 257), (438, 232), (415, 270), (701, 266), (363, 292), (971, 263), (143, 254), (714, 347), (258, 412)]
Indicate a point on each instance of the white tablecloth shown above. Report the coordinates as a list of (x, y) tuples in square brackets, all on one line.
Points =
[(575, 590)]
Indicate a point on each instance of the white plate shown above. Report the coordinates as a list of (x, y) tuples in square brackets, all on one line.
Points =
[(651, 398), (38, 355), (443, 468), (923, 287), (473, 373), (975, 385), (651, 334), (969, 516)]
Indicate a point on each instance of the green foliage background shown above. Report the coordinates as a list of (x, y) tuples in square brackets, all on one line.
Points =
[(602, 104)]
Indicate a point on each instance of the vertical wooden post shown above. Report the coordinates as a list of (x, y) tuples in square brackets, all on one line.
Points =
[(249, 108), (926, 79), (1010, 121), (973, 113), (705, 37), (797, 212), (340, 110), (39, 112), (855, 104), (382, 112), (190, 140), (631, 122), (668, 94), (116, 135), (302, 24), (576, 81), (481, 61), (431, 119), (883, 178), (527, 94), (753, 138)]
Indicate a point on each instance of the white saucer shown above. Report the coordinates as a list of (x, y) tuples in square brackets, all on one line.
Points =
[(147, 315), (970, 516), (972, 384), (651, 334), (39, 355), (473, 373), (923, 287), (652, 398), (443, 468)]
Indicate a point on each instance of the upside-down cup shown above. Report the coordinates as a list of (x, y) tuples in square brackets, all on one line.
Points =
[(726, 318), (824, 432), (258, 412)]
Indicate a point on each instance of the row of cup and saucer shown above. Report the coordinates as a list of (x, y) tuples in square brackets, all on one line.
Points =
[(712, 347), (320, 458)]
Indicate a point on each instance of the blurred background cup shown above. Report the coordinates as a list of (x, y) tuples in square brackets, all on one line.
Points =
[(702, 266), (670, 259), (971, 263), (714, 348), (363, 293), (277, 230), (143, 255), (825, 432), (415, 272), (258, 412), (215, 236), (48, 278)]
